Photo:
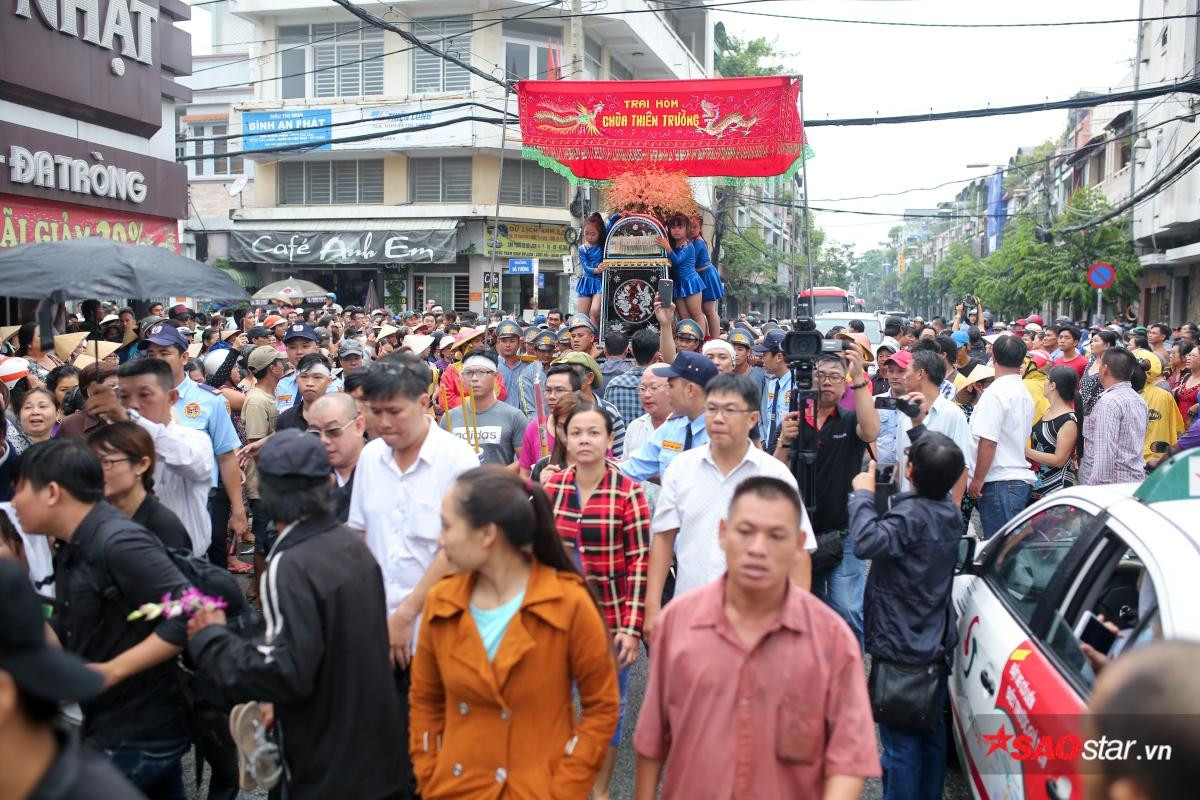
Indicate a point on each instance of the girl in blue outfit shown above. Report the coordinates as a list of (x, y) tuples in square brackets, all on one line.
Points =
[(689, 288), (708, 272), (591, 252)]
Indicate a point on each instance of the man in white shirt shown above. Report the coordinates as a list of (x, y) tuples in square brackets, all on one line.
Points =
[(1002, 481), (696, 490), (923, 378), (654, 393), (183, 457)]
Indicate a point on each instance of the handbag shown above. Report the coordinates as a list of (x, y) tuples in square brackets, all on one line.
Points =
[(830, 548), (906, 697)]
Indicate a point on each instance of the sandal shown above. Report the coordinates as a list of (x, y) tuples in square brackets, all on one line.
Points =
[(259, 766), (239, 567)]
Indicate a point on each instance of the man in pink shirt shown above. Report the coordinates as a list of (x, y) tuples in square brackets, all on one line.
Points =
[(755, 686), (558, 382)]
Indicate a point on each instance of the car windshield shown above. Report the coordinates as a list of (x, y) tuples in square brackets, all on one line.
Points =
[(870, 325)]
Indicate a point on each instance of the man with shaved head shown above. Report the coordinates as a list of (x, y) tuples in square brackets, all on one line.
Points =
[(1149, 696), (334, 418)]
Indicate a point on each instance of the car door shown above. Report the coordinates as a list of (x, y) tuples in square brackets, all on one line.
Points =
[(1017, 573)]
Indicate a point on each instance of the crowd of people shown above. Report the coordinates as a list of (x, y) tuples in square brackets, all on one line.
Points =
[(462, 531)]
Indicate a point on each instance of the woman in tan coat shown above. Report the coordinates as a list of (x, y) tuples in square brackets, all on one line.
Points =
[(502, 643)]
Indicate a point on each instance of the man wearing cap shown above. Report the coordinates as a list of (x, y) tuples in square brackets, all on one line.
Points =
[(892, 365), (514, 367), (777, 387), (37, 759), (688, 335), (591, 388), (205, 409), (564, 340), (687, 376), (583, 334), (323, 658), (260, 336), (313, 377), (624, 391), (743, 344), (350, 355), (544, 348), (141, 724), (494, 429), (300, 340), (259, 416)]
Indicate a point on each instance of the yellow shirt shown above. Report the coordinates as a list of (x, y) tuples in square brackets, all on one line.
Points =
[(1165, 423), (1035, 383)]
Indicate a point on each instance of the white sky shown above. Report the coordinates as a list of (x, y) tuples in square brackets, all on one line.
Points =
[(857, 70)]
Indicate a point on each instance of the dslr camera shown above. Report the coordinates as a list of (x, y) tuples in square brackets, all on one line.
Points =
[(802, 347), (910, 410)]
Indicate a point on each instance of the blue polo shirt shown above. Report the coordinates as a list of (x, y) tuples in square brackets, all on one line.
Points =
[(286, 393), (668, 441), (205, 409)]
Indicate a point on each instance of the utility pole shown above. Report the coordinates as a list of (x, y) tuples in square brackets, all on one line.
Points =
[(812, 300), (1133, 132), (576, 40)]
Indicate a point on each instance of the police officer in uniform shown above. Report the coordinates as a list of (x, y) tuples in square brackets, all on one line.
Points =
[(513, 366), (205, 409), (688, 374), (688, 336), (300, 340)]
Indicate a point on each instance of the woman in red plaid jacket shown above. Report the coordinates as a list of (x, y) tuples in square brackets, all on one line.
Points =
[(604, 520)]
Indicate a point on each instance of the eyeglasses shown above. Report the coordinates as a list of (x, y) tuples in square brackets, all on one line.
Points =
[(108, 463), (721, 411), (472, 374), (829, 377), (652, 389), (331, 433)]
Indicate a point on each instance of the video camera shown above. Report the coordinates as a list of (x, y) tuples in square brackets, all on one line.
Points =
[(802, 347)]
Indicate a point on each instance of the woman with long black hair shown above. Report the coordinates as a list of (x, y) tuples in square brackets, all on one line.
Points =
[(689, 288), (1055, 434), (501, 645)]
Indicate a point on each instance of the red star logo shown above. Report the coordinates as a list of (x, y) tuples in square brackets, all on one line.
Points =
[(997, 741)]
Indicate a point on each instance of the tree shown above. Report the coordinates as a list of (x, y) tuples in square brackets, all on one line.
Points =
[(745, 260), (736, 58)]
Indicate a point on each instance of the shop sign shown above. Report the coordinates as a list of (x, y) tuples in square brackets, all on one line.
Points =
[(273, 129), (24, 221), (389, 127), (47, 166), (529, 240), (101, 61), (346, 248)]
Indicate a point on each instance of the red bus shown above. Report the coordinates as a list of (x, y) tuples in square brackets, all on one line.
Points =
[(825, 298)]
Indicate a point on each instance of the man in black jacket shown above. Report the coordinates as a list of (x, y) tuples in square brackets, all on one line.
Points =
[(907, 615), (107, 565), (324, 662)]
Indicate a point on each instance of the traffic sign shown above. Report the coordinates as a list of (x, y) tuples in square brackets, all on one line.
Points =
[(520, 266), (1101, 275)]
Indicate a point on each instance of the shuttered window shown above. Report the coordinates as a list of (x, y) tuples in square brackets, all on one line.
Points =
[(433, 74), (317, 183), (439, 180), (343, 59), (526, 184)]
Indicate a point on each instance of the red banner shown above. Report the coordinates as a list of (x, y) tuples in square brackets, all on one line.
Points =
[(24, 221), (726, 127)]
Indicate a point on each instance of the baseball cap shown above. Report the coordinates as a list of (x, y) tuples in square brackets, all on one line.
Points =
[(294, 454), (146, 323), (264, 356), (960, 338), (901, 359), (44, 672), (581, 321), (694, 367), (508, 328), (586, 361), (166, 336), (179, 312), (1039, 359), (300, 331), (886, 343), (351, 347), (689, 327), (1022, 322), (772, 342), (445, 341), (1036, 319), (258, 331), (1033, 326)]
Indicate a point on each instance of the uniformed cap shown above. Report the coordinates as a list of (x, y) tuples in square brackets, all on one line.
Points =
[(545, 340), (264, 356), (508, 328), (694, 367), (770, 326), (582, 321), (300, 331), (294, 454), (741, 336), (689, 327), (166, 336), (564, 336), (772, 343), (531, 334)]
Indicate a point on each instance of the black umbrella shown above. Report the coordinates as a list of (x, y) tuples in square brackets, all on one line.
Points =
[(92, 267), (78, 269)]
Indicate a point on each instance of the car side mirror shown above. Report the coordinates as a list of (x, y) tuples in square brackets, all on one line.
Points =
[(964, 563)]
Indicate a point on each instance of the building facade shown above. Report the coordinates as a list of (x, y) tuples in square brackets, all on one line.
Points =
[(376, 162)]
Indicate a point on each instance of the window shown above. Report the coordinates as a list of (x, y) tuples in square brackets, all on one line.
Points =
[(333, 59), (318, 183), (1026, 558), (451, 36), (532, 51), (619, 71), (202, 142), (439, 180), (593, 60), (526, 184)]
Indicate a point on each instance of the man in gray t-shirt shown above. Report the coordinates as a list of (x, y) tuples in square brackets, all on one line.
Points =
[(495, 427)]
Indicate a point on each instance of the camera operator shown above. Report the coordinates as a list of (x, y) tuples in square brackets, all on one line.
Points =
[(841, 438)]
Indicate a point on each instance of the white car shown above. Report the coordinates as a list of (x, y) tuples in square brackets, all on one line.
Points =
[(1020, 680), (830, 319)]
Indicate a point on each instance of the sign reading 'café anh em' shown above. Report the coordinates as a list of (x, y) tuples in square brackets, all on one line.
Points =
[(347, 247)]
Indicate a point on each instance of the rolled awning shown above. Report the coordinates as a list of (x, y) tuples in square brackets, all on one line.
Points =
[(246, 278)]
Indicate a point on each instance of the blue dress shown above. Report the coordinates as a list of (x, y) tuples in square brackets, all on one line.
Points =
[(713, 290), (687, 282), (590, 256)]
